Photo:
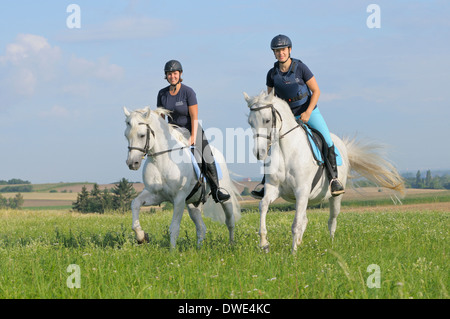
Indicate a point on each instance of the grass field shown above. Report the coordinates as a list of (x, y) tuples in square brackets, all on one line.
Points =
[(406, 249)]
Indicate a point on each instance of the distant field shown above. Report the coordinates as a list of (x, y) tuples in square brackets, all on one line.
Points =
[(62, 195)]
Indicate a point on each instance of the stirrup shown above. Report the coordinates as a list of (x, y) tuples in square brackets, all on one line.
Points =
[(258, 194), (339, 188), (216, 197)]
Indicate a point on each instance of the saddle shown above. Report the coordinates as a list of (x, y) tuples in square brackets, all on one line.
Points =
[(201, 179), (317, 144), (319, 149)]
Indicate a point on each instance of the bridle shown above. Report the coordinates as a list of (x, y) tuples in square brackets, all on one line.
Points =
[(274, 124), (146, 148)]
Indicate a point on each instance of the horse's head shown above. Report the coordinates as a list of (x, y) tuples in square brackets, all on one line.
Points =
[(139, 134), (262, 120)]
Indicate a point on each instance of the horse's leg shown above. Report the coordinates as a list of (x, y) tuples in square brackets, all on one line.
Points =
[(196, 216), (145, 197), (174, 229), (271, 193), (335, 207), (229, 218), (300, 220)]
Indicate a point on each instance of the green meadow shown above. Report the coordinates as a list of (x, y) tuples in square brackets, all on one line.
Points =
[(386, 253)]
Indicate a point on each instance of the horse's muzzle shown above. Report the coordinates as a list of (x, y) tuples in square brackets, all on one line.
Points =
[(133, 165)]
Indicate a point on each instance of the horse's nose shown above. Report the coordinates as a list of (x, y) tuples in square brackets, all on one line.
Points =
[(133, 165)]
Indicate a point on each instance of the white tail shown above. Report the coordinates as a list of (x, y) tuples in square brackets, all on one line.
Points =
[(367, 159), (213, 210)]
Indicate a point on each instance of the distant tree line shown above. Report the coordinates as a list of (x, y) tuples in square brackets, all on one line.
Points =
[(15, 202), (99, 201), (429, 181), (17, 189), (20, 186), (14, 181)]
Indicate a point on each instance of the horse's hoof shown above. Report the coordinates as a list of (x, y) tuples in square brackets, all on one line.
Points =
[(145, 240), (266, 248)]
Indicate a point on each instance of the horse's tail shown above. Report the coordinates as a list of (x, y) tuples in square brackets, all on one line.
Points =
[(368, 159), (214, 210)]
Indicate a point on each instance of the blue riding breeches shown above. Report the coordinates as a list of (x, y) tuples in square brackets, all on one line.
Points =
[(317, 122)]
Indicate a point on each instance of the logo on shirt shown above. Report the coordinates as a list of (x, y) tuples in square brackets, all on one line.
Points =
[(179, 103)]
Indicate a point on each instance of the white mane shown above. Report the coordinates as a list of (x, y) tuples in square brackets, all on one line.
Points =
[(265, 98), (143, 116)]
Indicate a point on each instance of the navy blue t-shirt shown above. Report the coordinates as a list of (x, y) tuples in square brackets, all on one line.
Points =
[(178, 104), (302, 74)]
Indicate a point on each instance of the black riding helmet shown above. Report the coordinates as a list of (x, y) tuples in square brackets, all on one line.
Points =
[(280, 41), (173, 65)]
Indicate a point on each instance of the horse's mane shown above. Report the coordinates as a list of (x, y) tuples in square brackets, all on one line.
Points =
[(265, 98), (262, 98), (140, 117)]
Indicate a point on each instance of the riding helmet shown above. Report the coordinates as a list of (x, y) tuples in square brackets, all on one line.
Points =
[(173, 65), (280, 41)]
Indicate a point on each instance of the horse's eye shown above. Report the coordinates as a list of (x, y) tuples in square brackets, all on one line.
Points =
[(142, 135), (266, 121)]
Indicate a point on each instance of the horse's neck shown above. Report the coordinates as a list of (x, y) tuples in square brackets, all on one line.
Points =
[(290, 136), (165, 141), (163, 137)]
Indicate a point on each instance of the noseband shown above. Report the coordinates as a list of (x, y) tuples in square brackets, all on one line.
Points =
[(147, 141), (274, 120)]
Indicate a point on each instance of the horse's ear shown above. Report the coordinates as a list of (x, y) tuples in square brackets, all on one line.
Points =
[(246, 97), (147, 112), (125, 110)]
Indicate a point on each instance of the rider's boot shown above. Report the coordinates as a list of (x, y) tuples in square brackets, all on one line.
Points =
[(259, 194), (335, 184), (212, 177)]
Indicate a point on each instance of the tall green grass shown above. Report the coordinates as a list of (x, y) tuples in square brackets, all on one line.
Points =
[(410, 248)]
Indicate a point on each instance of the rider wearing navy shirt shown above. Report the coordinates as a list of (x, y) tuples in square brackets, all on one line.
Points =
[(179, 105), (294, 82), (182, 101)]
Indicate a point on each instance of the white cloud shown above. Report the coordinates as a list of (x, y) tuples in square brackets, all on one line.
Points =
[(31, 65), (29, 47), (27, 61), (100, 69)]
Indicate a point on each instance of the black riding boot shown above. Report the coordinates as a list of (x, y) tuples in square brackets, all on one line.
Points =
[(336, 186), (259, 194), (213, 179)]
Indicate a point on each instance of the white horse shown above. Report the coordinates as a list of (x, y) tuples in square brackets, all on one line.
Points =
[(169, 175), (290, 167)]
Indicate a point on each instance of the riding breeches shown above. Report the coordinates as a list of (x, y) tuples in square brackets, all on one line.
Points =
[(202, 150), (316, 121)]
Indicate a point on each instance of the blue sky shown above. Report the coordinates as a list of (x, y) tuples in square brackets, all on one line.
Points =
[(62, 90)]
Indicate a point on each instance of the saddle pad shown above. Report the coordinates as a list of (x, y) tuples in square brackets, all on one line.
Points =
[(316, 151), (197, 167)]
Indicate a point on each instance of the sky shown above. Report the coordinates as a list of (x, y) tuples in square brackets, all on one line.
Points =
[(383, 75)]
